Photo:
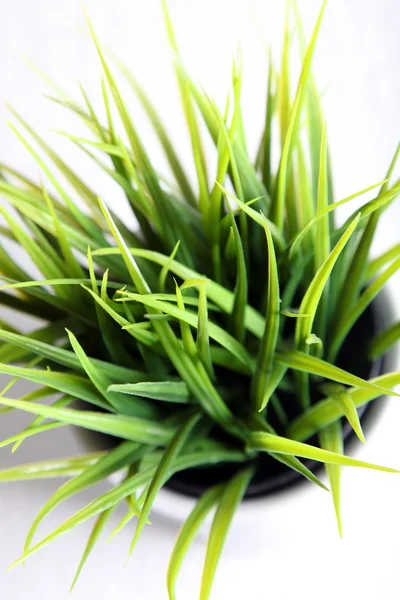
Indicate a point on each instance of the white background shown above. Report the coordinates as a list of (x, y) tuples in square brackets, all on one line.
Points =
[(291, 550)]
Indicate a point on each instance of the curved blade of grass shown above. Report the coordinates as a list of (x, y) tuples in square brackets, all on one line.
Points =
[(311, 302), (168, 458), (187, 534), (328, 411), (384, 341), (231, 497), (269, 442), (331, 439), (135, 429), (56, 467), (166, 391), (260, 387), (311, 299)]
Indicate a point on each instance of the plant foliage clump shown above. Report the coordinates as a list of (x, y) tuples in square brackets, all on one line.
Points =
[(225, 310)]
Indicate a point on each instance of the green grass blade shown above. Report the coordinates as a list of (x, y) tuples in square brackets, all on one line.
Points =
[(135, 429), (267, 135), (63, 401), (331, 439), (262, 376), (67, 383), (56, 467), (98, 527), (328, 411), (322, 233), (165, 270), (61, 356), (231, 497), (165, 391), (341, 395), (203, 340), (18, 438), (187, 534), (313, 294), (311, 302), (241, 286), (168, 458), (269, 442), (130, 262), (300, 361)]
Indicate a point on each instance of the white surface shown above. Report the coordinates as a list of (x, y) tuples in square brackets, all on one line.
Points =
[(293, 551)]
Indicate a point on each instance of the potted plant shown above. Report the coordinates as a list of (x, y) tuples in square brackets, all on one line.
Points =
[(226, 347)]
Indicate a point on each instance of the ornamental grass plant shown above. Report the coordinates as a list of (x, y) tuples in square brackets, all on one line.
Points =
[(210, 333)]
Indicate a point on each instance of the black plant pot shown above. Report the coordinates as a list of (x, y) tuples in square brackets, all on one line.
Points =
[(272, 476)]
